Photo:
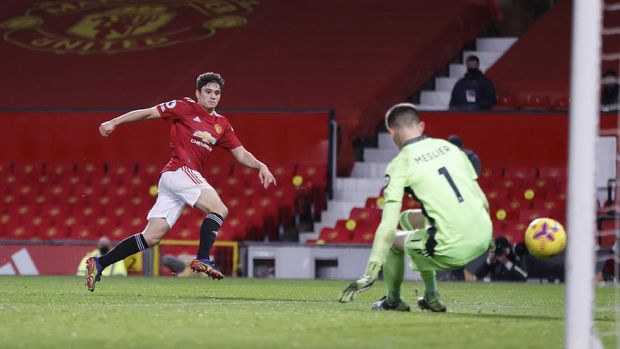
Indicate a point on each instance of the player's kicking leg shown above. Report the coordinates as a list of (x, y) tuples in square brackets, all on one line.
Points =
[(210, 203), (152, 234)]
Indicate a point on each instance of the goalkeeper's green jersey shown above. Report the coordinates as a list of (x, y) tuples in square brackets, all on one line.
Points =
[(442, 179)]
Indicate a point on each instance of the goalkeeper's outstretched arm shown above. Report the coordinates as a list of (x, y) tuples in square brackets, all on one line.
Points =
[(384, 238)]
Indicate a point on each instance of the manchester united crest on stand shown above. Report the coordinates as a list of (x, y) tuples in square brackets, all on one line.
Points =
[(112, 26)]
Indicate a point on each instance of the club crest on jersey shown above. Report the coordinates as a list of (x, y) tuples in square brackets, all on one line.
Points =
[(205, 136), (218, 129), (111, 26)]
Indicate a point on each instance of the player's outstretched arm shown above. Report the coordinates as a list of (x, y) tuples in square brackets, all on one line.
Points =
[(247, 159), (362, 284), (136, 115)]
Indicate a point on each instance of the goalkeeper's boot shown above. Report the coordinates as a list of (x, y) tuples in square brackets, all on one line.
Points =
[(431, 303), (206, 266), (383, 304), (93, 273)]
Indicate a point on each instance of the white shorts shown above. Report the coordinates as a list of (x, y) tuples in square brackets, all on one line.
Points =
[(175, 190)]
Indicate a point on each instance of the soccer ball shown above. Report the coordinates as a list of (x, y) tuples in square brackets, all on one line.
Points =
[(545, 238)]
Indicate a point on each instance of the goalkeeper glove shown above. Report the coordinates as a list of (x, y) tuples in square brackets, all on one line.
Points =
[(358, 286), (362, 284)]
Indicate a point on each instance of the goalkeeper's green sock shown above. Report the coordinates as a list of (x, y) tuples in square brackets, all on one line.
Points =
[(430, 284), (393, 274)]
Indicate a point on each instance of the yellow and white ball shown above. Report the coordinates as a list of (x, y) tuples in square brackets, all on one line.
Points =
[(545, 238)]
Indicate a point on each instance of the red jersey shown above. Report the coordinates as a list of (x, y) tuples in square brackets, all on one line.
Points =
[(194, 133)]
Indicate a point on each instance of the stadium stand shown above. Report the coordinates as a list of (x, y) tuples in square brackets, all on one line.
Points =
[(85, 206), (377, 62), (535, 71), (517, 195)]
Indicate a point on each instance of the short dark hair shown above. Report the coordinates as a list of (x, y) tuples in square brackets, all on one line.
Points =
[(209, 77), (402, 114), (473, 58)]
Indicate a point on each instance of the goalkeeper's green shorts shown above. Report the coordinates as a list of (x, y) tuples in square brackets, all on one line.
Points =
[(419, 245)]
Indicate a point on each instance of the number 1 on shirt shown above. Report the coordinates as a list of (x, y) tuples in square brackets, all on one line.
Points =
[(444, 172)]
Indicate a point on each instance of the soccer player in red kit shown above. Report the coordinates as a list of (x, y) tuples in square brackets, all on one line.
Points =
[(196, 129)]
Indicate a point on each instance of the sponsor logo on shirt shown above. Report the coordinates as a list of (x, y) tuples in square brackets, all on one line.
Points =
[(197, 119), (205, 136)]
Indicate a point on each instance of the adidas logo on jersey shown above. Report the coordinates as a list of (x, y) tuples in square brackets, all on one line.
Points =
[(197, 119)]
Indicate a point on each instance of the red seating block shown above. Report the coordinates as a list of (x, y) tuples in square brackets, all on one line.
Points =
[(246, 175), (367, 217), (521, 172), (552, 172), (19, 232), (313, 175), (561, 103), (217, 173), (236, 227), (185, 233), (505, 102), (52, 233), (363, 236), (334, 235), (374, 202), (536, 103), (283, 174), (84, 233)]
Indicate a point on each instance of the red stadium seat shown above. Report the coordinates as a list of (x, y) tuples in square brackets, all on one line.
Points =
[(374, 202), (333, 235), (52, 233), (7, 201), (84, 233), (246, 175), (363, 236), (366, 216), (561, 104), (89, 169), (505, 102), (529, 215), (117, 233), (536, 103), (185, 233), (515, 230), (312, 175), (133, 223), (552, 172), (410, 203), (27, 171), (150, 172), (283, 174), (237, 228), (521, 172), (19, 232), (217, 173), (59, 172)]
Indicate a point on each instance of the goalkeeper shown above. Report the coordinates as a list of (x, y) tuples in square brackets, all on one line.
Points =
[(452, 228)]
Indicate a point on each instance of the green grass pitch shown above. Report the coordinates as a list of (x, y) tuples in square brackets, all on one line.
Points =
[(135, 312)]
